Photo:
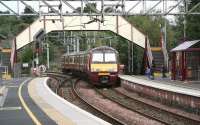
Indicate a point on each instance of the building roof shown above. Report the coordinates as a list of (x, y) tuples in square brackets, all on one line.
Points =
[(185, 45)]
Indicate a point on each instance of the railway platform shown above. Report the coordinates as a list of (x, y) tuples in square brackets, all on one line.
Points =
[(183, 87), (58, 109), (29, 101), (189, 84), (168, 81), (15, 102), (182, 94)]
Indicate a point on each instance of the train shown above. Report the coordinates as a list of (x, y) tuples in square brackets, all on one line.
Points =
[(99, 65)]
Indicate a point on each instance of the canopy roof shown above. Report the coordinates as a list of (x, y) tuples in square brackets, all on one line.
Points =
[(185, 45)]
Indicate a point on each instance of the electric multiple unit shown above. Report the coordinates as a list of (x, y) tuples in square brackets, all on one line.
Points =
[(100, 65)]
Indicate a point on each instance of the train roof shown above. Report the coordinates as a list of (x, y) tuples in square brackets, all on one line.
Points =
[(93, 49), (103, 48), (75, 53)]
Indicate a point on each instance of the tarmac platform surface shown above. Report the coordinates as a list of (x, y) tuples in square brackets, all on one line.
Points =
[(29, 101)]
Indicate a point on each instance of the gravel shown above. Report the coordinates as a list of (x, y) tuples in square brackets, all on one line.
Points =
[(129, 117)]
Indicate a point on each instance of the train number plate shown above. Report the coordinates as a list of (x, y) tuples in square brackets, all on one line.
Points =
[(103, 74)]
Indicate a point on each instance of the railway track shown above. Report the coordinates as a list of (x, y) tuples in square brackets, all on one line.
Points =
[(112, 120), (81, 101), (142, 108), (145, 109)]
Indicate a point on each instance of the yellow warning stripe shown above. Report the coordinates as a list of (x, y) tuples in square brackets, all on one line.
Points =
[(155, 48), (32, 116)]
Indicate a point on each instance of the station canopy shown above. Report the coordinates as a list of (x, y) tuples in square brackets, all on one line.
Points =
[(185, 45)]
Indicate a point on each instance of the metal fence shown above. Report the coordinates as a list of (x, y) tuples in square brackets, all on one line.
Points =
[(193, 65), (3, 71)]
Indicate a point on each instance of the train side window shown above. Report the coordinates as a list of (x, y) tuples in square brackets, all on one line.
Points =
[(81, 59), (66, 59), (85, 59), (72, 59), (76, 59)]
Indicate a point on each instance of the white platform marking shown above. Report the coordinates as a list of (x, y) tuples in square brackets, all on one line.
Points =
[(14, 86), (10, 108), (3, 97)]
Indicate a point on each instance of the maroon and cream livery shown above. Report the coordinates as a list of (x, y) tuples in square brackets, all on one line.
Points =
[(100, 65)]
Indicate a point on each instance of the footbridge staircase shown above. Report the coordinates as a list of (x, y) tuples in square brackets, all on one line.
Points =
[(157, 57)]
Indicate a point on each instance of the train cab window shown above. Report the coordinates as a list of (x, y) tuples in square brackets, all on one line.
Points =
[(75, 59), (110, 57), (97, 57)]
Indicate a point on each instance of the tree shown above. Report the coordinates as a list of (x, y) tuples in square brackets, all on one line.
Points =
[(4, 12), (193, 25), (90, 8), (150, 26), (78, 9), (27, 54), (9, 26), (109, 10), (28, 19)]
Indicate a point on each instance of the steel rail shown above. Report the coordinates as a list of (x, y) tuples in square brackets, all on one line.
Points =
[(75, 93), (134, 110), (74, 89), (167, 111), (140, 112)]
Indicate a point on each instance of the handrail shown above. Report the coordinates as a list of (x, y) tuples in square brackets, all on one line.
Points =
[(5, 70), (149, 53), (165, 54), (166, 57)]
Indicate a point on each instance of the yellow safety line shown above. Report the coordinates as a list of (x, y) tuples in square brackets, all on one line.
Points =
[(32, 116)]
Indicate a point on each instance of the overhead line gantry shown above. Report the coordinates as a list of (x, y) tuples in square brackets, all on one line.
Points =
[(119, 7)]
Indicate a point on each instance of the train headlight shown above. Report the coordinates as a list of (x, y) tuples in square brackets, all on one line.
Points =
[(92, 70), (95, 70), (112, 70)]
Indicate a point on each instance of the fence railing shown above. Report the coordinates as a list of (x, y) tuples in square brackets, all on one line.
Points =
[(149, 53), (4, 72), (166, 57)]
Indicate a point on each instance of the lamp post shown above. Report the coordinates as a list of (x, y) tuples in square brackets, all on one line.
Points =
[(47, 49), (47, 55)]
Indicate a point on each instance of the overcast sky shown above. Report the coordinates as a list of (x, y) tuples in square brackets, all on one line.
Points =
[(75, 4)]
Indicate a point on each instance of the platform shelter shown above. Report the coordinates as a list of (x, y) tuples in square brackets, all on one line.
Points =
[(186, 61)]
